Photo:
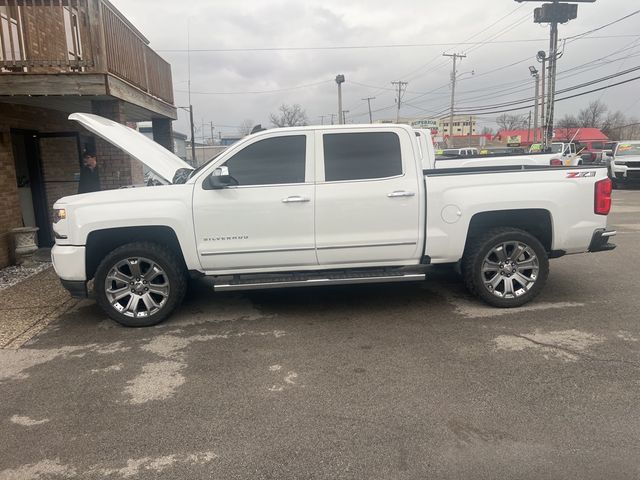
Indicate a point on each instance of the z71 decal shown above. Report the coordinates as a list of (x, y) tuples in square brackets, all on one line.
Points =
[(590, 173)]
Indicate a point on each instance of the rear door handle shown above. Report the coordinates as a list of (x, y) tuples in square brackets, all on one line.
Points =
[(295, 199), (400, 193)]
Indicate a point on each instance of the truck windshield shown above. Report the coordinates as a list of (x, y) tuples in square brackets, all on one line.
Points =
[(557, 147), (628, 149)]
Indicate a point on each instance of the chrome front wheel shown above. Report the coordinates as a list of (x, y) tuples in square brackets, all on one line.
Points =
[(141, 283), (137, 287)]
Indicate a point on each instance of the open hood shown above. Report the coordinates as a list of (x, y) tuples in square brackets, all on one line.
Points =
[(142, 148)]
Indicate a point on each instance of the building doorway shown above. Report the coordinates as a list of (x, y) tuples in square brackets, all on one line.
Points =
[(31, 191), (42, 183)]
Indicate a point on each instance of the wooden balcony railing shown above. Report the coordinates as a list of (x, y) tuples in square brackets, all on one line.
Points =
[(98, 40), (130, 58)]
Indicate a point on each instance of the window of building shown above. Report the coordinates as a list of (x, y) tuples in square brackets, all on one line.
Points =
[(270, 161), (72, 31), (11, 42), (359, 156)]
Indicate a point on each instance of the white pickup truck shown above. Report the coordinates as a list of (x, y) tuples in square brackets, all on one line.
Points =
[(321, 205)]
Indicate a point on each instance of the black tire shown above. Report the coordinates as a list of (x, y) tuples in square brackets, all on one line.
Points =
[(173, 274), (480, 247)]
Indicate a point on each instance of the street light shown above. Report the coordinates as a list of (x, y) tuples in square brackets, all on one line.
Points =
[(534, 73)]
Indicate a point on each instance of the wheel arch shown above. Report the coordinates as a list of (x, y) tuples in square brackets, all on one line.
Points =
[(101, 242), (537, 222)]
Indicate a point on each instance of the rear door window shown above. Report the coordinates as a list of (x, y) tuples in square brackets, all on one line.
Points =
[(361, 156)]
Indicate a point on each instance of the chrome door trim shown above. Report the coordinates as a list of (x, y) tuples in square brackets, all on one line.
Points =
[(365, 245), (271, 250)]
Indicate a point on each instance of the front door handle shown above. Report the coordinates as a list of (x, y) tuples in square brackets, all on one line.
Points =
[(400, 193), (295, 199)]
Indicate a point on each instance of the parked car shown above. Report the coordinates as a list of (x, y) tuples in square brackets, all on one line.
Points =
[(592, 151), (625, 166), (321, 205)]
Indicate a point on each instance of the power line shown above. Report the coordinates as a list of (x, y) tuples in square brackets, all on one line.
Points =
[(297, 87), (565, 90), (622, 82), (603, 26)]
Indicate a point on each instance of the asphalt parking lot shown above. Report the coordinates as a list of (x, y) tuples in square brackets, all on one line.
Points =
[(372, 382)]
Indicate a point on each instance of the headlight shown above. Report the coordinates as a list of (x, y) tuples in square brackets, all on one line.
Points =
[(59, 214)]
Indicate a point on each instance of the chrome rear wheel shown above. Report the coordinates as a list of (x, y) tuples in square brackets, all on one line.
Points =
[(510, 269)]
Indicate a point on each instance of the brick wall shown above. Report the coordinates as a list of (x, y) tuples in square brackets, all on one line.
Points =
[(44, 36), (60, 164), (9, 205)]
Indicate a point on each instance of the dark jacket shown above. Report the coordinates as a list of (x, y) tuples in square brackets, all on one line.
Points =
[(89, 180)]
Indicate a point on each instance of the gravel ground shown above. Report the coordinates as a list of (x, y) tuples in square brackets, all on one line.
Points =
[(9, 276)]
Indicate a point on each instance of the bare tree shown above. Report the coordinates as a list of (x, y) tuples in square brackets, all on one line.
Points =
[(511, 122), (593, 115), (245, 127), (486, 131), (289, 116), (613, 125), (568, 121)]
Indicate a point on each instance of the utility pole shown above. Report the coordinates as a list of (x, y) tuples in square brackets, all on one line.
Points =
[(322, 119), (470, 128), (212, 129), (542, 58), (344, 116), (553, 61), (529, 128), (454, 74), (401, 88), (536, 79), (333, 116), (340, 81), (368, 100), (193, 136), (553, 14)]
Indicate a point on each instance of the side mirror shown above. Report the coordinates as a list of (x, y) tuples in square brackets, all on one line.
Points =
[(219, 179)]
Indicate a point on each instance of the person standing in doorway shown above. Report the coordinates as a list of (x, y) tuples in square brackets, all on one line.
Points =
[(89, 176)]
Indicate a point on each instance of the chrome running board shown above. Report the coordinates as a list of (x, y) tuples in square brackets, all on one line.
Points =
[(313, 280)]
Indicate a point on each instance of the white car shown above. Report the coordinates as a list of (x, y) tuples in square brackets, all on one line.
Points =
[(320, 205), (625, 166)]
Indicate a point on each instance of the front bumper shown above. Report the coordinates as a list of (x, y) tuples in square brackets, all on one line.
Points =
[(69, 262), (600, 240), (625, 173)]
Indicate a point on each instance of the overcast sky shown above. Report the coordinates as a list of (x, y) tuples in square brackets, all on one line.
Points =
[(255, 24)]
